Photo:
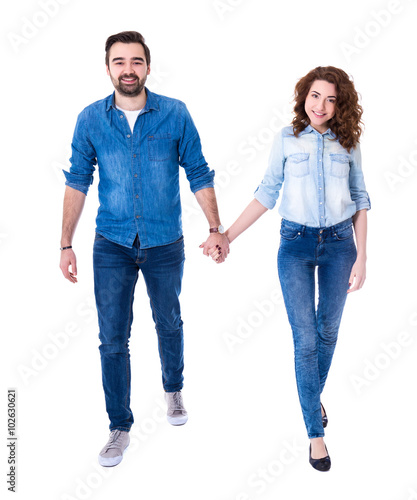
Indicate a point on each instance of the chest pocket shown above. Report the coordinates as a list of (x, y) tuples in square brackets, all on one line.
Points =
[(159, 147), (297, 164), (339, 165)]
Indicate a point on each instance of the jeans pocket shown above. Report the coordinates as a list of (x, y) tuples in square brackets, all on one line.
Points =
[(297, 164), (339, 166), (289, 234), (343, 234), (159, 147)]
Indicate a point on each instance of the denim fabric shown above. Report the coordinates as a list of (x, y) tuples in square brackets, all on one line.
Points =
[(139, 172), (332, 251), (323, 183), (116, 270)]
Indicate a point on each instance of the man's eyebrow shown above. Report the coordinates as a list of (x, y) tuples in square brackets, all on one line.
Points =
[(315, 91), (124, 59)]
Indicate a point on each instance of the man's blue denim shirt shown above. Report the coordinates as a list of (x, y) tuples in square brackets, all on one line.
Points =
[(139, 190), (323, 182)]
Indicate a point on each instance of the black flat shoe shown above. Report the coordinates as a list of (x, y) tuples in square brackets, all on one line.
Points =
[(321, 464), (324, 417)]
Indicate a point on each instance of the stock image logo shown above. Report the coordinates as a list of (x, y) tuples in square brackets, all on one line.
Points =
[(246, 326), (225, 7), (379, 363), (405, 169), (363, 35), (57, 342), (32, 25)]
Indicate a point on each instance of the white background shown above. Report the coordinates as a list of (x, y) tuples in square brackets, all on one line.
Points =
[(235, 64)]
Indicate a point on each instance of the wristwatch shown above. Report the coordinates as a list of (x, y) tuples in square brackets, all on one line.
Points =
[(219, 229)]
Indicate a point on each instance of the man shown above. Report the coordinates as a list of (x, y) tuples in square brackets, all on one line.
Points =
[(138, 139)]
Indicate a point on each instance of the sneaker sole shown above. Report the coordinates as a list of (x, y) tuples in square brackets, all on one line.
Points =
[(177, 420), (111, 461)]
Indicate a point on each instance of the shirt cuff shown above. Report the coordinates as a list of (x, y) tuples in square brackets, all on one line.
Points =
[(206, 181), (264, 199), (363, 204), (81, 182)]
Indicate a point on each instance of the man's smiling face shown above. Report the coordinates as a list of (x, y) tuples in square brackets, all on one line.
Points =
[(127, 68)]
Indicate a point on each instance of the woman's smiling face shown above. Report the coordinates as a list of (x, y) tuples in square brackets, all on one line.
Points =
[(320, 104)]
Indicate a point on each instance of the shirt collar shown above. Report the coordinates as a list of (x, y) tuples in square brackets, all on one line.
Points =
[(310, 129), (151, 101)]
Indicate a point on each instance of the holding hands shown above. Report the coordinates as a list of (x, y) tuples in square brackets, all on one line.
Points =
[(217, 247)]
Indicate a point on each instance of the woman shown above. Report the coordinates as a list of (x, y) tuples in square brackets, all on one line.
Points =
[(318, 159)]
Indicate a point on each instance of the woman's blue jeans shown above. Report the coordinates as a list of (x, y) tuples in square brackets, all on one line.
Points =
[(333, 252), (116, 270)]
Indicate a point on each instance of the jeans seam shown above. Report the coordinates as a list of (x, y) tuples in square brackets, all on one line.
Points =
[(157, 334), (128, 378)]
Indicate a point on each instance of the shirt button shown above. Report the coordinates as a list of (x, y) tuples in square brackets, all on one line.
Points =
[(137, 216), (135, 175), (321, 203), (137, 196), (128, 135), (134, 156), (121, 116), (320, 189), (320, 175)]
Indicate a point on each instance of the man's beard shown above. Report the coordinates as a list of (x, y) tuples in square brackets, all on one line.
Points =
[(131, 90)]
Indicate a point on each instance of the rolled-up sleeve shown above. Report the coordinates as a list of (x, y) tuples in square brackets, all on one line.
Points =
[(357, 186), (267, 192), (83, 159), (190, 153)]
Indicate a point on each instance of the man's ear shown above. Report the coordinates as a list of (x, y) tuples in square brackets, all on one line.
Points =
[(107, 70)]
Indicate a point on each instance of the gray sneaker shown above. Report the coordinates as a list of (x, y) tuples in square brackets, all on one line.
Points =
[(112, 453), (176, 414)]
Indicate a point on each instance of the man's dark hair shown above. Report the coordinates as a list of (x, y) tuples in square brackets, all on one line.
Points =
[(128, 37)]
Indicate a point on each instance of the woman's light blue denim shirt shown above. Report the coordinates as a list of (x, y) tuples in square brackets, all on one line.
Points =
[(324, 183)]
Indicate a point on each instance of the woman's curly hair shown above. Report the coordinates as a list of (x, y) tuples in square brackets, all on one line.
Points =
[(346, 123)]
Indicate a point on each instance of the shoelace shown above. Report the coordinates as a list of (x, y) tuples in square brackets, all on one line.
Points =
[(115, 440), (177, 402)]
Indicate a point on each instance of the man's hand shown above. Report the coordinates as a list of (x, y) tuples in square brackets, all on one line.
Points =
[(68, 259), (217, 247)]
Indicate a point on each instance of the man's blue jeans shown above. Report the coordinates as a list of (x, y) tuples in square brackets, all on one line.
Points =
[(116, 270), (332, 251)]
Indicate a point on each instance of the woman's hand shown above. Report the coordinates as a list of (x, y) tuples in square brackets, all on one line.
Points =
[(217, 247), (216, 254), (357, 275)]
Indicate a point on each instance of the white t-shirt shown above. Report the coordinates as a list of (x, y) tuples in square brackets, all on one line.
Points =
[(131, 116)]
